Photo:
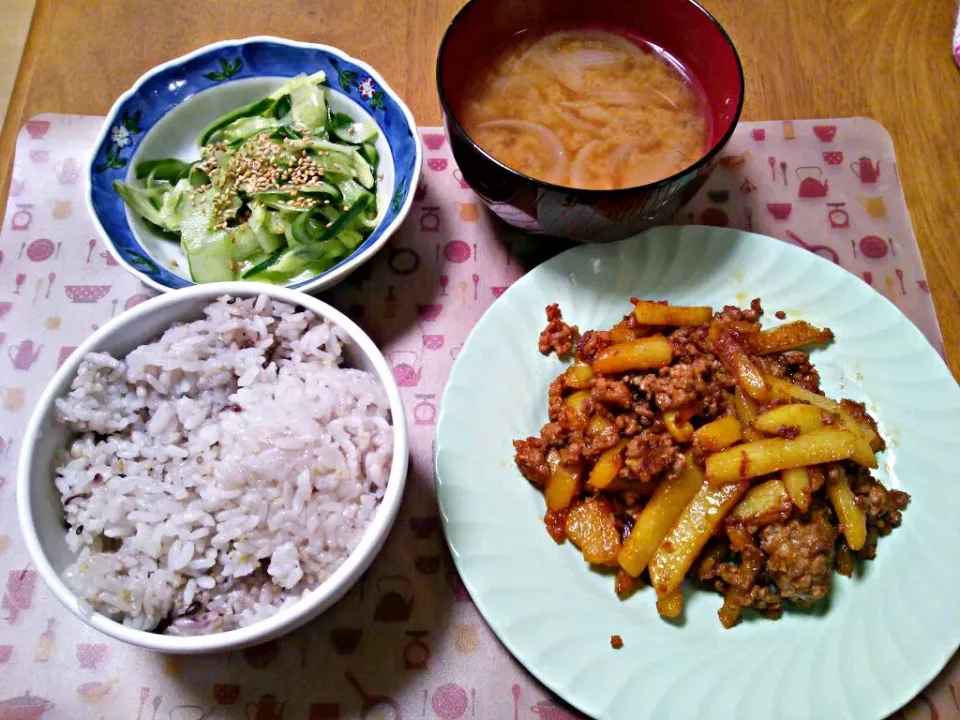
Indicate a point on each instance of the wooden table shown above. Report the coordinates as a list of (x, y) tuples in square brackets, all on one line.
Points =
[(886, 59)]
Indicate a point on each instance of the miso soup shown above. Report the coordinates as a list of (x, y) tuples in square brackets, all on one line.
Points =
[(587, 109)]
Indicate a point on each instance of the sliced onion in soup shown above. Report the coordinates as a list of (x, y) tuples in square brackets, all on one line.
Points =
[(554, 154)]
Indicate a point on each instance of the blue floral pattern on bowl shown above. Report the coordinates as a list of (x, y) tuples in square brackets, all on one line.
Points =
[(165, 87)]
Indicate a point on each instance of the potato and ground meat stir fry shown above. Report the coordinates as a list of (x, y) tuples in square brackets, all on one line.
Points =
[(683, 442)]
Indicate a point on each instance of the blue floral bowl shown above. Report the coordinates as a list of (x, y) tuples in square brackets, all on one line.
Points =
[(165, 111)]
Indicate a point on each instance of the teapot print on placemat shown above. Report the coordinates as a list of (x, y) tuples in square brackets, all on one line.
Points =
[(396, 600), (67, 172), (267, 708), (867, 170), (811, 186), (24, 354)]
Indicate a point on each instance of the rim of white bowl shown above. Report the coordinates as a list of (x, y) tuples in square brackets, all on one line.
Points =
[(336, 273), (314, 602)]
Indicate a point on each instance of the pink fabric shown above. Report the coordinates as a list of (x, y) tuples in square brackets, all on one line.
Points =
[(406, 641)]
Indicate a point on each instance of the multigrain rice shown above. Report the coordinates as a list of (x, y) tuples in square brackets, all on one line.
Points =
[(221, 471)]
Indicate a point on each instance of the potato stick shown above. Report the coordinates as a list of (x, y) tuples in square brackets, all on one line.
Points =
[(764, 503), (678, 425), (592, 527), (718, 434), (657, 517), (789, 336), (607, 467), (690, 533), (624, 330), (797, 483), (785, 390), (853, 521), (598, 425), (671, 606), (745, 408), (643, 354), (575, 401), (651, 313), (737, 362), (579, 375), (796, 415), (562, 486), (760, 457)]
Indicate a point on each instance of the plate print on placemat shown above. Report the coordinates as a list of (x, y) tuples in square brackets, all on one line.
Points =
[(884, 636)]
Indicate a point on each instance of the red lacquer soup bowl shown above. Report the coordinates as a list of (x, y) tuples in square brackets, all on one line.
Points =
[(681, 28)]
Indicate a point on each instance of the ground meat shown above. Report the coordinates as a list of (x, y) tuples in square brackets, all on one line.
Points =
[(731, 313), (708, 563), (716, 399), (553, 434), (612, 392), (594, 445), (624, 584), (616, 642), (673, 386), (743, 574), (780, 315), (649, 454), (590, 343), (557, 336), (801, 556), (882, 507), (555, 398), (628, 424), (793, 365), (556, 522), (531, 458), (689, 343)]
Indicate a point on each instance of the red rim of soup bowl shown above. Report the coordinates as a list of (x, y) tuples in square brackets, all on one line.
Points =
[(722, 88)]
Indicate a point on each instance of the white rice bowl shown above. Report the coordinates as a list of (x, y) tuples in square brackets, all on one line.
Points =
[(215, 477)]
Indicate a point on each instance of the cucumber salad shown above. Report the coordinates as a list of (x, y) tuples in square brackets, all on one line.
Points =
[(284, 189)]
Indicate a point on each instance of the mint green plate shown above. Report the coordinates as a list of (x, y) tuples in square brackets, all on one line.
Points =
[(884, 636)]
